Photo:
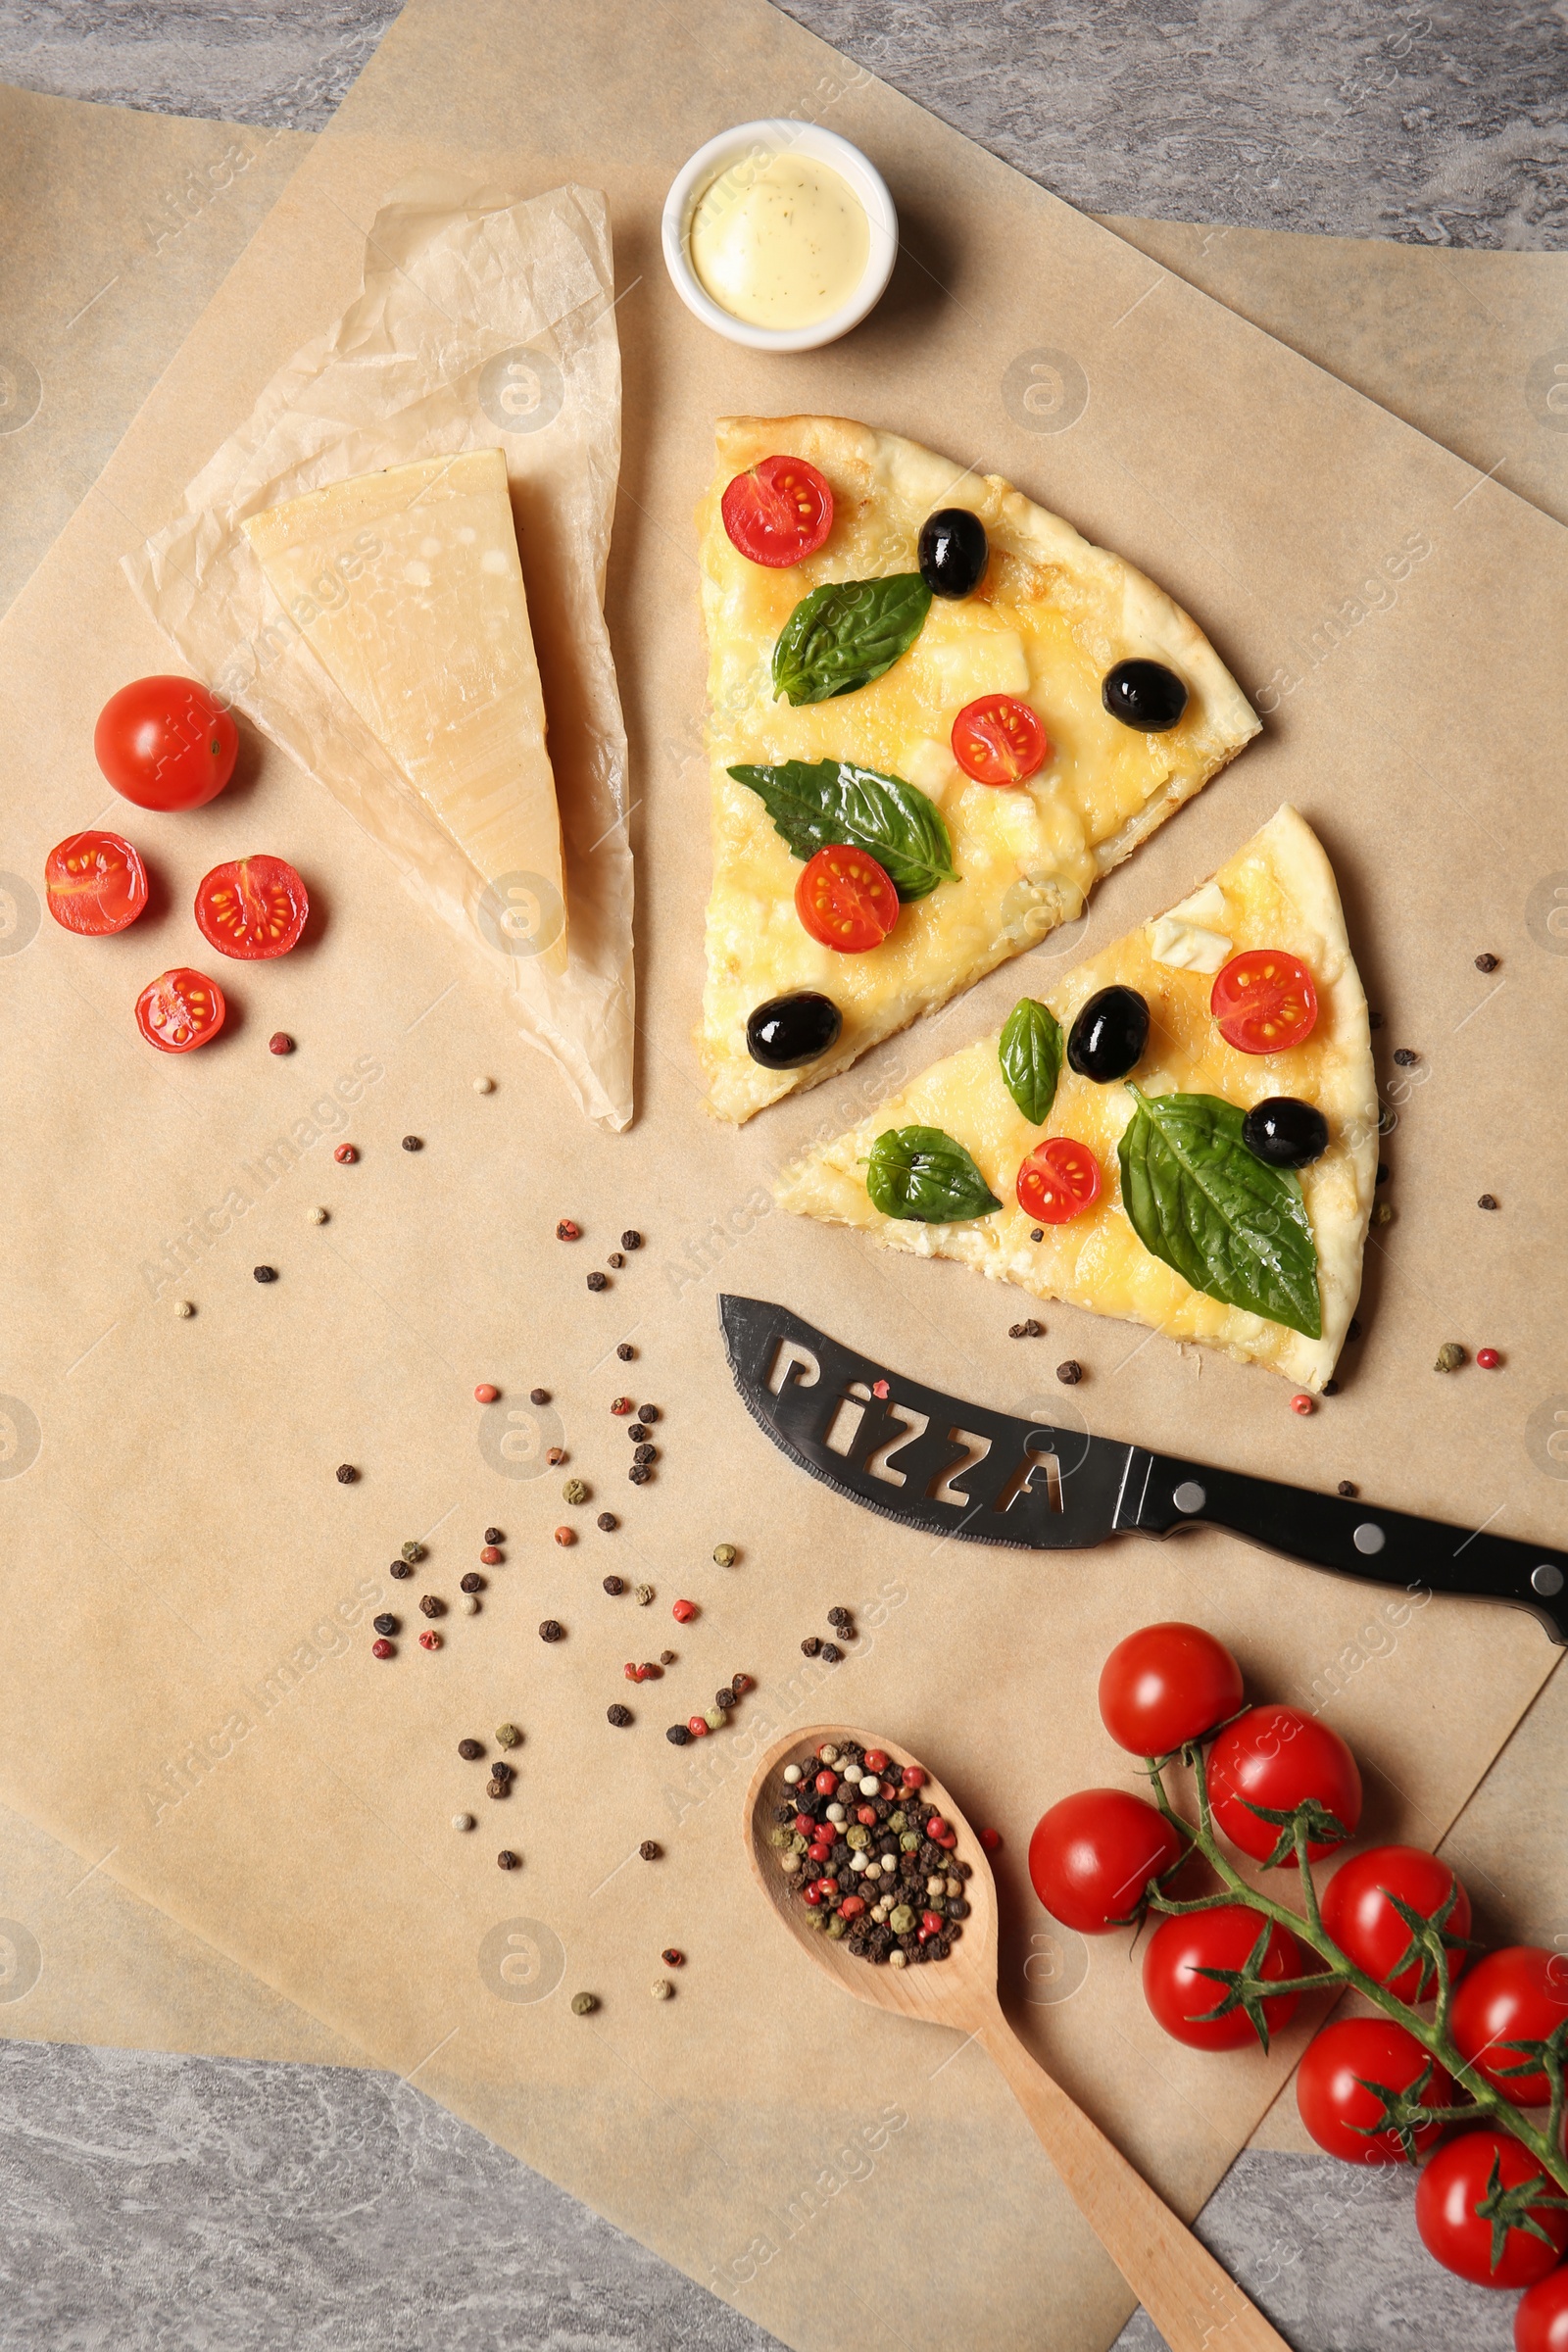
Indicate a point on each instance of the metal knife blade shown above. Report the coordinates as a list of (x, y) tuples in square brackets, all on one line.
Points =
[(954, 1468)]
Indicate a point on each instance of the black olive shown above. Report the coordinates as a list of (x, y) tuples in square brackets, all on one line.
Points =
[(788, 1032), (1108, 1037), (953, 552), (1145, 695), (1286, 1133)]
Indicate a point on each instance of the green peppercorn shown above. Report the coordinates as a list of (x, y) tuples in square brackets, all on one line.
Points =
[(836, 1927), (508, 1736), (778, 1840), (583, 2004), (857, 1839), (724, 1555), (909, 1839), (575, 1490), (716, 1719), (901, 1920), (1451, 1356), (798, 1844), (898, 1821), (414, 1551)]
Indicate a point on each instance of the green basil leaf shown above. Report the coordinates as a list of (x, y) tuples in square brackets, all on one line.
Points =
[(815, 804), (1233, 1227), (920, 1173), (847, 633), (1030, 1053)]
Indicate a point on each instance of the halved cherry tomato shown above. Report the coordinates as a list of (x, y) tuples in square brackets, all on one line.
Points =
[(1263, 1001), (846, 901), (180, 1009), (251, 907), (1059, 1181), (95, 884), (999, 739), (163, 742), (779, 512)]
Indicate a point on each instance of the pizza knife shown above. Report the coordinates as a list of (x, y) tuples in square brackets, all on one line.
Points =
[(959, 1469)]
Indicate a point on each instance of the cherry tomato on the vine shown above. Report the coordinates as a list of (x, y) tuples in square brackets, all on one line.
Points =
[(1093, 1854), (1335, 2103), (778, 513), (163, 742), (1059, 1181), (1540, 2323), (1362, 1921), (1517, 1995), (253, 907), (1183, 1999), (1166, 1684), (999, 740), (181, 1010), (1263, 1001), (95, 883), (1450, 2198), (845, 900), (1279, 1757)]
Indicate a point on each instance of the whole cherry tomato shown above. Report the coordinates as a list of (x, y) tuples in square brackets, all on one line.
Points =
[(778, 513), (1278, 1757), (163, 742), (1340, 2111), (1059, 1181), (1166, 1684), (1540, 2323), (999, 739), (1263, 1001), (1362, 1921), (1183, 1999), (1451, 2199), (96, 884), (1093, 1854), (1517, 1995), (845, 900)]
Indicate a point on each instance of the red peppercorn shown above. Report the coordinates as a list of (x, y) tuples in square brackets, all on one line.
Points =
[(490, 1558), (740, 1683), (633, 1674), (346, 1155), (684, 1611), (817, 1851), (622, 1405), (825, 1781), (671, 1957), (912, 1776), (429, 1640), (1487, 1359), (382, 1650), (569, 1230), (936, 1829), (876, 1760), (865, 1815), (990, 1839), (281, 1042), (828, 1885), (949, 1840), (852, 1906), (931, 1921), (805, 1826), (813, 1896), (565, 1535), (485, 1392), (1302, 1405), (698, 1727)]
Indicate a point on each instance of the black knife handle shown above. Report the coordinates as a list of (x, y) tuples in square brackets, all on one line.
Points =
[(1161, 1496)]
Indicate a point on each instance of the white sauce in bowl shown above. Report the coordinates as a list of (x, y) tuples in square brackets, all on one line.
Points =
[(779, 241)]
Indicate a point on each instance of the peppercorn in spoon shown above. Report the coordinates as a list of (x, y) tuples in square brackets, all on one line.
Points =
[(1185, 2291)]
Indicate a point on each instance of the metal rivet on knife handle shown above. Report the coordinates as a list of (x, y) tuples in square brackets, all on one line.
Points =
[(1546, 1580), (1368, 1539), (1189, 1496)]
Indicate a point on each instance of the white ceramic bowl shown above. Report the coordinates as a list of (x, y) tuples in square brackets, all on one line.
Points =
[(825, 147)]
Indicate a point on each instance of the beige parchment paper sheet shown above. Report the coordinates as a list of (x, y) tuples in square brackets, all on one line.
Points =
[(256, 1773)]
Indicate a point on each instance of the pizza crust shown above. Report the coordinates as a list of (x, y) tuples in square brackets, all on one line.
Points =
[(1279, 891), (1051, 598)]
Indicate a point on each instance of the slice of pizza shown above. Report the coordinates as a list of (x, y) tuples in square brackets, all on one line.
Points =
[(937, 717), (1183, 1133)]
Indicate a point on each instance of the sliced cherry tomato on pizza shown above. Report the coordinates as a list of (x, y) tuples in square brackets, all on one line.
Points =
[(163, 742), (846, 901), (96, 883), (180, 1010), (250, 907), (999, 739), (1263, 1001), (778, 513), (1059, 1181)]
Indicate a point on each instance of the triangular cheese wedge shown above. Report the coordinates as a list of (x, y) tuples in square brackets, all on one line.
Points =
[(1052, 616), (407, 586), (1278, 892)]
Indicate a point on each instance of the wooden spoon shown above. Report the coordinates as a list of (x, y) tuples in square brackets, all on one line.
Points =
[(1182, 2288)]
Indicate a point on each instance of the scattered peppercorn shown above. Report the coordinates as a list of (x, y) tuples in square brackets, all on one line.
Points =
[(1070, 1373), (430, 1606), (621, 1407), (382, 1650), (508, 1860), (740, 1684), (583, 2004), (508, 1736), (677, 1734), (615, 1259), (724, 1697), (264, 1273), (645, 1594), (639, 1474), (1039, 1234), (1451, 1356), (346, 1474), (831, 1652), (644, 1453), (486, 1392), (697, 1725), (648, 1412), (614, 1586), (1488, 1200), (1487, 1359), (470, 1750), (1348, 1488), (1029, 1330), (662, 1988), (565, 1535), (811, 1644), (551, 1630), (495, 1787), (429, 1640), (463, 1821), (491, 1556), (598, 1281), (683, 1611), (625, 1352), (1485, 963), (619, 1716), (346, 1155), (400, 1569), (637, 1433), (575, 1490), (725, 1556), (413, 1552), (607, 1521), (1383, 1214), (385, 1624), (281, 1042), (666, 1657), (632, 1239), (555, 1456), (569, 1230), (671, 1957), (473, 1582), (316, 1217), (840, 1617), (414, 1143), (1405, 1056), (1302, 1404), (650, 1849), (484, 1086), (990, 1839)]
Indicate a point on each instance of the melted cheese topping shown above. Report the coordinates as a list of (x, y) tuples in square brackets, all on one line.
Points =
[(1026, 855), (1279, 891)]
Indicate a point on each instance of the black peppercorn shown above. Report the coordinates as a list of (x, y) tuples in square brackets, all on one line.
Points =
[(1403, 1055), (724, 1697), (650, 1849), (607, 1521), (613, 1586), (414, 1143), (1487, 1200), (346, 1474), (839, 1617), (493, 1535), (1069, 1373), (619, 1716), (430, 1606), (508, 1860), (473, 1582), (636, 1432), (598, 1281), (648, 1412), (264, 1273), (615, 1259), (632, 1239), (501, 1772), (625, 1352), (536, 1397), (639, 1474), (1347, 1486), (385, 1624), (811, 1644), (471, 1750), (677, 1734), (551, 1630), (644, 1453), (400, 1569), (1485, 963), (832, 1652)]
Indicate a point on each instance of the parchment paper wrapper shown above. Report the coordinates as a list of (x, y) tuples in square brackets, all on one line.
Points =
[(484, 324)]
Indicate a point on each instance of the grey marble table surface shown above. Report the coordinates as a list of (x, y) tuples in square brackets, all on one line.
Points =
[(185, 2204)]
